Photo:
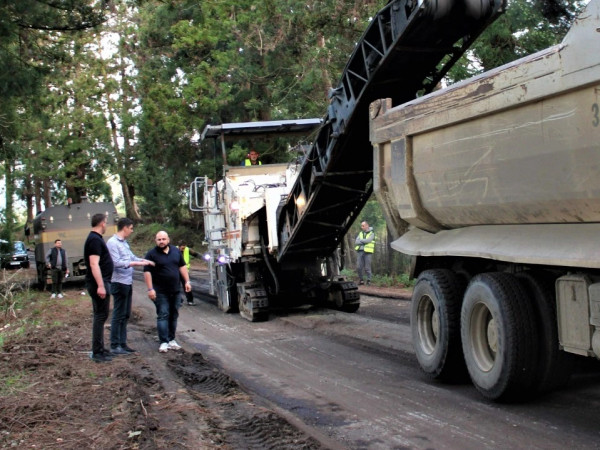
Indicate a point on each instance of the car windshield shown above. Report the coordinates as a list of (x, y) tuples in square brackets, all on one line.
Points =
[(19, 247)]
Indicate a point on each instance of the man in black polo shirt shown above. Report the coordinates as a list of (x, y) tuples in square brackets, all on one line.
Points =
[(97, 279), (162, 281)]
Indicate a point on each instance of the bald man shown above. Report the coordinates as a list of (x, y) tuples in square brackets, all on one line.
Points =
[(163, 283)]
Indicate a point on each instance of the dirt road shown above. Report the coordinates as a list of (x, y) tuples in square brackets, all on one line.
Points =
[(351, 380), (306, 379)]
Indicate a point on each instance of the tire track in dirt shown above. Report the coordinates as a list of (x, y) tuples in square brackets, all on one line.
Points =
[(244, 424)]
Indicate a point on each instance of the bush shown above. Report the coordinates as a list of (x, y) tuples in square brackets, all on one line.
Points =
[(402, 280)]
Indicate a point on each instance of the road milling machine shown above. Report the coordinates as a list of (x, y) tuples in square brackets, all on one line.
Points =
[(240, 217), (274, 231)]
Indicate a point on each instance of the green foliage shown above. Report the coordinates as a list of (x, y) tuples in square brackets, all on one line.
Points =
[(401, 280), (526, 27), (385, 280), (71, 119)]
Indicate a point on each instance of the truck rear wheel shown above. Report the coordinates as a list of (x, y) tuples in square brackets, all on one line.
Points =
[(435, 324), (499, 337), (41, 276), (554, 365)]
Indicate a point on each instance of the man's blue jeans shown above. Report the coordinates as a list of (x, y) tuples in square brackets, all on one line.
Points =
[(167, 313), (122, 299)]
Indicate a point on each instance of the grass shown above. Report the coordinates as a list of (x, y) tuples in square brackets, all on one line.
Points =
[(401, 280), (13, 384), (383, 280)]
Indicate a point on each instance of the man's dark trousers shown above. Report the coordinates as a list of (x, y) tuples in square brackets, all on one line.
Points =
[(57, 280), (101, 309), (122, 300)]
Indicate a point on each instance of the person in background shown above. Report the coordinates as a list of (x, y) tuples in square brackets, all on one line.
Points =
[(97, 280), (187, 252), (252, 159), (56, 261), (162, 281), (121, 285), (365, 247)]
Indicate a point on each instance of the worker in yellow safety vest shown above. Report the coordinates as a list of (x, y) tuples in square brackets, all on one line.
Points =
[(252, 159), (187, 252), (365, 246)]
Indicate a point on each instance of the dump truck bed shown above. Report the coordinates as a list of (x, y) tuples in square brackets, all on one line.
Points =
[(516, 149)]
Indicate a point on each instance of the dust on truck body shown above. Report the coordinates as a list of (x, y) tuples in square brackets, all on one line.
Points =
[(240, 223), (497, 180), (71, 224)]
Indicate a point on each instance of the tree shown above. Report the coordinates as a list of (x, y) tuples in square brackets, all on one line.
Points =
[(527, 26), (29, 48)]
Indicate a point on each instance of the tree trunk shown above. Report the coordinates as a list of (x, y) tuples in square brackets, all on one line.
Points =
[(10, 189), (37, 186), (28, 194), (325, 60), (131, 208), (47, 193)]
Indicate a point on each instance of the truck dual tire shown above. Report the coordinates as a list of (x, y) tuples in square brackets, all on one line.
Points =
[(501, 332), (499, 337), (554, 365), (435, 324)]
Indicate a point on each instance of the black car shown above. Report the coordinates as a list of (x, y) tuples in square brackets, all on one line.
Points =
[(14, 256)]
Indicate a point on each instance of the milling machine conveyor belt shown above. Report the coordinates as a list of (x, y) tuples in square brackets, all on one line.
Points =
[(408, 48)]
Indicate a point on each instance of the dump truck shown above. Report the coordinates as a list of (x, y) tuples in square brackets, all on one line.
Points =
[(497, 180), (71, 224)]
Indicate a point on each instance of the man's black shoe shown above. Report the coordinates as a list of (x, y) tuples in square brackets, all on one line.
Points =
[(119, 351), (127, 348), (100, 358), (107, 352)]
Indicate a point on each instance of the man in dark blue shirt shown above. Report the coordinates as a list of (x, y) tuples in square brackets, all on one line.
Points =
[(162, 281), (97, 279)]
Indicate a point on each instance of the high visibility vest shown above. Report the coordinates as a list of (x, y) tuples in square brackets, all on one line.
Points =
[(367, 248), (248, 162), (186, 257)]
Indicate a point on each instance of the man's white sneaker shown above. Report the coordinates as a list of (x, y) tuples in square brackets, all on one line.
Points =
[(173, 345), (164, 348), (60, 296), (53, 296)]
